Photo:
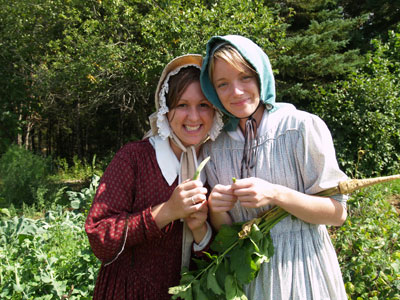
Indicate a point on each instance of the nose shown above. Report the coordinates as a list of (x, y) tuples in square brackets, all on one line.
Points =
[(237, 88), (193, 114)]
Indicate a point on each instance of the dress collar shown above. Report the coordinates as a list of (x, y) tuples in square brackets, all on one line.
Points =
[(167, 161), (166, 158)]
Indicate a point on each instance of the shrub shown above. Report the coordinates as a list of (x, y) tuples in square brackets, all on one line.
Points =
[(23, 176), (363, 113), (368, 246)]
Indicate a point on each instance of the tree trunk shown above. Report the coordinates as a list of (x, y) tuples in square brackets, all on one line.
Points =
[(19, 136)]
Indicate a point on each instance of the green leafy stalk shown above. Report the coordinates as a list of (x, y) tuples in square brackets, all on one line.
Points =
[(238, 259), (200, 167)]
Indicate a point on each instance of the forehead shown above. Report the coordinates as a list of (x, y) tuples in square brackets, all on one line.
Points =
[(193, 92), (223, 67)]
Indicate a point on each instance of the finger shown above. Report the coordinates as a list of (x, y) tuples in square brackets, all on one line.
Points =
[(198, 215), (191, 184), (223, 189), (220, 209), (243, 192), (242, 183), (225, 199), (196, 199)]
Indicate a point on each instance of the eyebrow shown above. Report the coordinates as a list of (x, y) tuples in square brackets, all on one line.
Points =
[(219, 79)]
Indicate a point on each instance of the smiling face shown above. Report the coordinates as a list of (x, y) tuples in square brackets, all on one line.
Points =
[(192, 116), (237, 89)]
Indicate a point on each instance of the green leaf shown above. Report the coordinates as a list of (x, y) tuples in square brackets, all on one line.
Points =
[(199, 294), (242, 264), (181, 292), (5, 212), (226, 236), (22, 237), (233, 291), (201, 263), (212, 282), (75, 204), (255, 234)]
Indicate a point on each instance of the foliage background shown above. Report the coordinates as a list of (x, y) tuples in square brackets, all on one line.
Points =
[(77, 80), (77, 77)]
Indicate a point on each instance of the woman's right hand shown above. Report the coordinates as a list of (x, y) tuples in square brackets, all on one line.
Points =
[(187, 198), (221, 198)]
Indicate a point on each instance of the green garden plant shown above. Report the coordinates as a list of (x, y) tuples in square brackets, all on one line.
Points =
[(23, 176)]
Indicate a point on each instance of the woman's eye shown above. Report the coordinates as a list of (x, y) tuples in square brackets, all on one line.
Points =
[(247, 77), (221, 85), (205, 105), (181, 105)]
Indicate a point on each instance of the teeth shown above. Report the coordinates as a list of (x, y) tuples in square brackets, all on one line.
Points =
[(192, 128)]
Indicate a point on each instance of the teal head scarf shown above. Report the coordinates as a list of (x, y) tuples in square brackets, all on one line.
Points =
[(256, 57)]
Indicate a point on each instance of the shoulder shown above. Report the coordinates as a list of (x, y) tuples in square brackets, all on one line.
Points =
[(136, 150), (287, 117), (219, 143)]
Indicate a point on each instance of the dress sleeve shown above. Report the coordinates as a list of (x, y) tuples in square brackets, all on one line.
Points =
[(317, 155), (111, 226)]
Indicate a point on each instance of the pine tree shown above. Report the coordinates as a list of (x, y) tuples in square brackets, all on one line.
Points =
[(316, 51)]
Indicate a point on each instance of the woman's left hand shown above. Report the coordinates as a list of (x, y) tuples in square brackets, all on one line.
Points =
[(254, 192), (197, 219)]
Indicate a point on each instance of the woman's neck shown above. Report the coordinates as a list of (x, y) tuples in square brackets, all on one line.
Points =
[(258, 114), (178, 151)]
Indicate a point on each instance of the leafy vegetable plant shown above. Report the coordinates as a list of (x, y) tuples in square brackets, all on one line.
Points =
[(241, 248), (236, 262)]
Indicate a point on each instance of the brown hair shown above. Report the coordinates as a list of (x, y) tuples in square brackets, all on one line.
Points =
[(178, 84), (232, 56)]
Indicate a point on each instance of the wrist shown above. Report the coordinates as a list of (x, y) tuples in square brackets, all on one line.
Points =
[(161, 214), (199, 233), (205, 238)]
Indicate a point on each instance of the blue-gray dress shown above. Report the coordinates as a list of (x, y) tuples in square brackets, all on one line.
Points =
[(296, 151)]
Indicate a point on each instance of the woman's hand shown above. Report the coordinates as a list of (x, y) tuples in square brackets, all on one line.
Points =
[(254, 192), (221, 199), (196, 220), (187, 198)]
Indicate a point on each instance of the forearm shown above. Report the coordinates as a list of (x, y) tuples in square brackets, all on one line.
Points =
[(219, 219), (309, 208), (110, 234), (162, 215)]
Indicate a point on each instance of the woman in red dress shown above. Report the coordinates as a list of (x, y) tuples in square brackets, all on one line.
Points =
[(148, 216)]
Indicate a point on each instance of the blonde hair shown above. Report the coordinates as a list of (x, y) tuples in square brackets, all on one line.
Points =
[(229, 54)]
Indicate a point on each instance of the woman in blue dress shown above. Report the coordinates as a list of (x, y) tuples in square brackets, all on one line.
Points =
[(281, 156)]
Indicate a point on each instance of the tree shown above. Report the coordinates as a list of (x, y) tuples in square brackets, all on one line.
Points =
[(364, 112), (380, 17), (315, 52)]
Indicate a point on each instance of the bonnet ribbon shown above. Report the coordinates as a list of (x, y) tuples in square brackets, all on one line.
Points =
[(249, 157), (188, 168)]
